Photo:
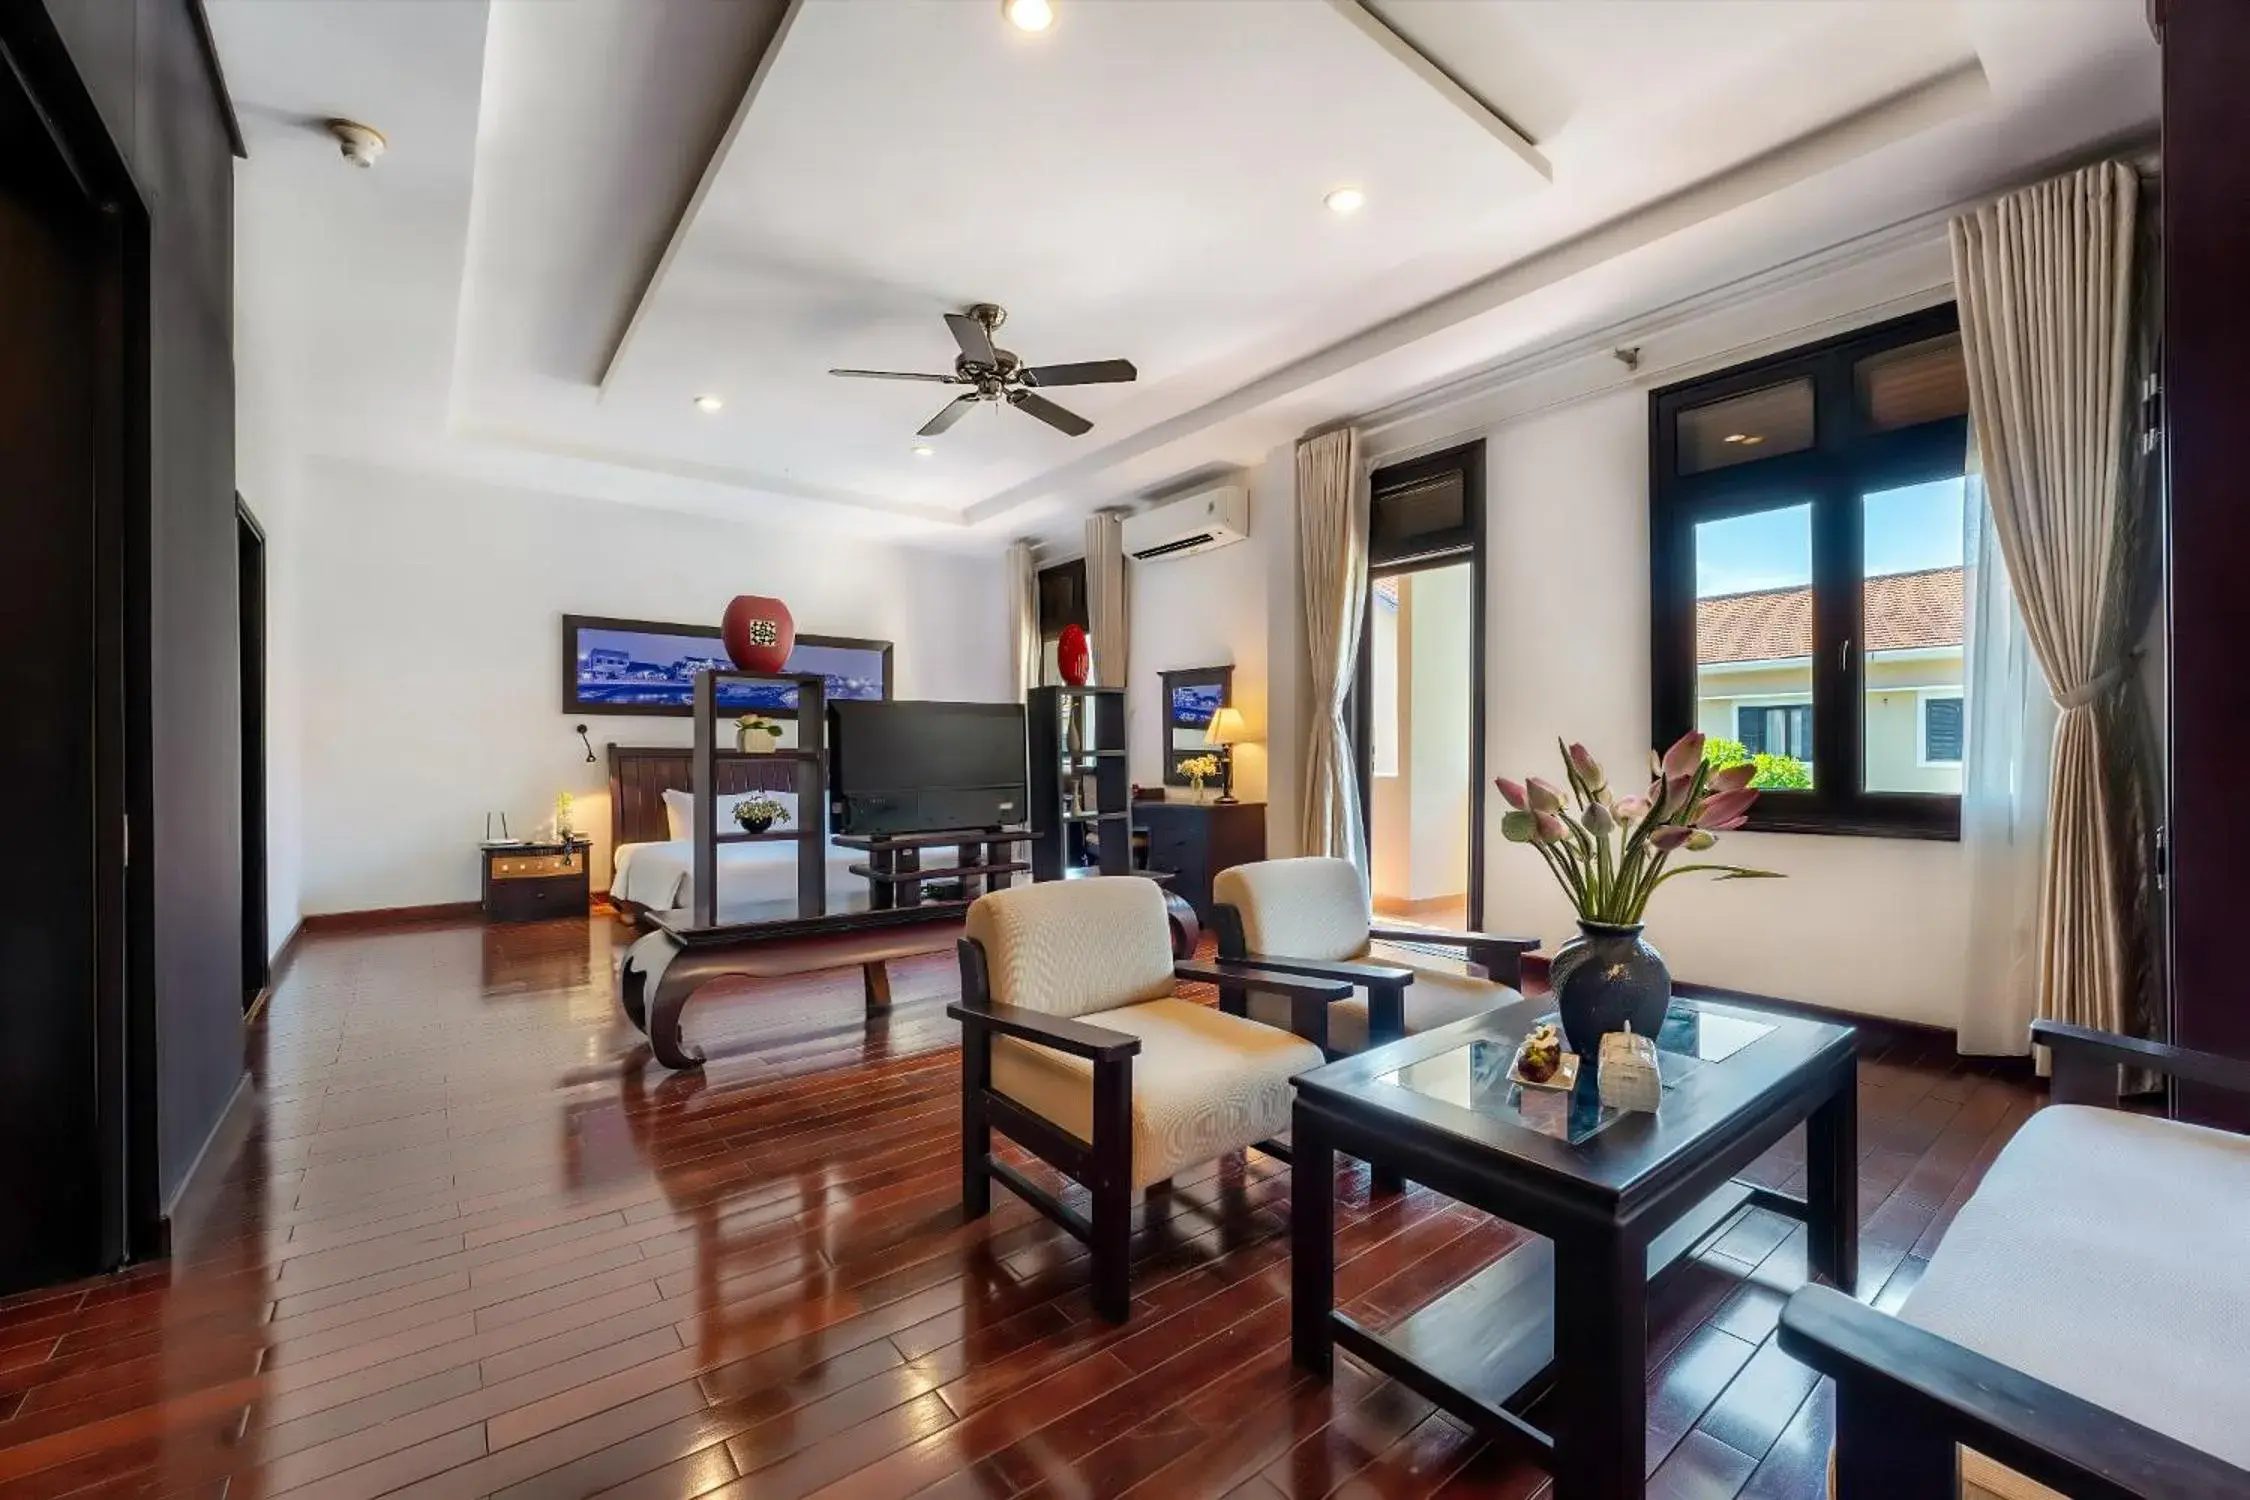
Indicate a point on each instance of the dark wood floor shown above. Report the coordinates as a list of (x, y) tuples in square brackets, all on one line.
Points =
[(477, 1244)]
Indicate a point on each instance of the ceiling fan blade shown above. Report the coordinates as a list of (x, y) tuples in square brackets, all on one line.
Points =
[(1093, 372), (1060, 418), (894, 375), (952, 412), (973, 337)]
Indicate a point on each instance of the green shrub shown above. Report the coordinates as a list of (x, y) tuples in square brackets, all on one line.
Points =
[(1776, 773)]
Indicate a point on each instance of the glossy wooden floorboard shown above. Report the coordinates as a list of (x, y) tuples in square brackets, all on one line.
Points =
[(478, 1244)]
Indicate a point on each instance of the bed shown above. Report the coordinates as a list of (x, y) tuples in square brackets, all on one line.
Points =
[(652, 871)]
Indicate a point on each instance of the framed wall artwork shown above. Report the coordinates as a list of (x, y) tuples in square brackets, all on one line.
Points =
[(613, 666), (1191, 696)]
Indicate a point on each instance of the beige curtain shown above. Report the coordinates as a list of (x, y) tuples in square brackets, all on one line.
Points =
[(1332, 574), (1023, 618), (2045, 282), (1105, 595)]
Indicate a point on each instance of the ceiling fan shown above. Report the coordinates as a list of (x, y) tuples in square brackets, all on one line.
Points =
[(995, 374)]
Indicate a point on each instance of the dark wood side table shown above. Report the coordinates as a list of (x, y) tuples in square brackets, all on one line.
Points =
[(1557, 1329), (1196, 840), (530, 882)]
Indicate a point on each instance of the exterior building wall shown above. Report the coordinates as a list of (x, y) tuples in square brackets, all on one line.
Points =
[(1897, 682)]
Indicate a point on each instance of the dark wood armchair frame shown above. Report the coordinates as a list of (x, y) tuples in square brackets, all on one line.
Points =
[(1103, 1165), (1908, 1399), (1501, 958)]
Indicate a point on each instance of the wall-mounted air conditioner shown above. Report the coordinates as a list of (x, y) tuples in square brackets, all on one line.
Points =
[(1192, 523)]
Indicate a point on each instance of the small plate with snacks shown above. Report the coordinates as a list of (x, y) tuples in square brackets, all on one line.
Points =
[(1541, 1062)]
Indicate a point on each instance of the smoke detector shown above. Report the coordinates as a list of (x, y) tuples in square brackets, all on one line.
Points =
[(363, 145)]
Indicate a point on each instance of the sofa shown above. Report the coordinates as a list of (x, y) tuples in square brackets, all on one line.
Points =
[(2084, 1327)]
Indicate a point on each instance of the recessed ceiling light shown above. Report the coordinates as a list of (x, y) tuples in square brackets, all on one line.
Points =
[(1028, 15), (923, 450), (1345, 200), (708, 403)]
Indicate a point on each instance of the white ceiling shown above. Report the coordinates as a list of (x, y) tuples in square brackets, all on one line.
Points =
[(594, 210)]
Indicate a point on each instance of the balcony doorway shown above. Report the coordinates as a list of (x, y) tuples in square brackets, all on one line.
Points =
[(1420, 696)]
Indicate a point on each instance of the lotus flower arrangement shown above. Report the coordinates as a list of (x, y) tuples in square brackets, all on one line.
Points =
[(1610, 853)]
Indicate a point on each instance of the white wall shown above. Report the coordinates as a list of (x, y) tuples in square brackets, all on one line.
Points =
[(1871, 925), (1208, 610), (431, 655)]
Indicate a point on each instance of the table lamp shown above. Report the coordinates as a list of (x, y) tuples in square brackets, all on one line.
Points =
[(1227, 729)]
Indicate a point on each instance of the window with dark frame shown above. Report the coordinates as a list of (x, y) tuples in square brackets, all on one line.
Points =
[(1062, 601), (1806, 576)]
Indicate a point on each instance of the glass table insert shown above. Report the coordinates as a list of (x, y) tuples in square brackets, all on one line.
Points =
[(1474, 1076)]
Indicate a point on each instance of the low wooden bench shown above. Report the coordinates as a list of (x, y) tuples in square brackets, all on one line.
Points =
[(664, 969)]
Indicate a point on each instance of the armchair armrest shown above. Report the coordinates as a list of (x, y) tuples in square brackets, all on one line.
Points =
[(1346, 971), (2086, 1063), (1926, 1394), (1244, 974), (1062, 1033), (1500, 957)]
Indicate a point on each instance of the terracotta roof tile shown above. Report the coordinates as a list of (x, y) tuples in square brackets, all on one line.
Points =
[(1903, 611)]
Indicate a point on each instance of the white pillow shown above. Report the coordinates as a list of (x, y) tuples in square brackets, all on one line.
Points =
[(679, 810)]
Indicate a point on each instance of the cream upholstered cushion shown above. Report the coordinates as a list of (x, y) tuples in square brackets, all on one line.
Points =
[(2088, 1258), (1205, 1083), (1444, 990), (1069, 947), (1312, 908)]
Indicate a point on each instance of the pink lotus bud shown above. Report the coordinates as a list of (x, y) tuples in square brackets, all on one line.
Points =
[(1519, 827), (1684, 756), (1512, 791), (1676, 792), (1589, 770), (1655, 796), (1727, 806), (1731, 824), (1669, 837), (1552, 829), (1733, 778), (1544, 796), (1598, 819), (1701, 840), (1631, 810), (1655, 764)]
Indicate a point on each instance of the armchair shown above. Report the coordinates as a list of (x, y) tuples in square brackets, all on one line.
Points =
[(1310, 917), (2080, 1330), (1063, 986)]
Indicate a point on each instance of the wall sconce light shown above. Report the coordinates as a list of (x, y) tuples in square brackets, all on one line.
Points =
[(589, 744)]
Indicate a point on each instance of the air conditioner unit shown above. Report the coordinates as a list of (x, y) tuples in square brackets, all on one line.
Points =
[(1192, 523)]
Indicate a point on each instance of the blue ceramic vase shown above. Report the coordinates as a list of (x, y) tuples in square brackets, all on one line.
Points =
[(1603, 979)]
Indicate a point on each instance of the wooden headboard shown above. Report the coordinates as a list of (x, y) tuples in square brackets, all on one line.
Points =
[(640, 775)]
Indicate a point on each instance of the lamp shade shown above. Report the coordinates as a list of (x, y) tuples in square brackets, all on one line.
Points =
[(1226, 727)]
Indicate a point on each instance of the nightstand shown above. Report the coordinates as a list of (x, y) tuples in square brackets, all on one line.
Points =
[(528, 882)]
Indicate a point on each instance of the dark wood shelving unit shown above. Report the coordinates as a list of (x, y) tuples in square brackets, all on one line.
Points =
[(896, 876), (1079, 785), (810, 758)]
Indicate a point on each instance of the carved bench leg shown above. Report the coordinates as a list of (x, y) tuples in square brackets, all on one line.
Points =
[(875, 979), (674, 986)]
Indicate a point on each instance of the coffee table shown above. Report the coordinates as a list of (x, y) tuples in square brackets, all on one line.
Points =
[(1557, 1330)]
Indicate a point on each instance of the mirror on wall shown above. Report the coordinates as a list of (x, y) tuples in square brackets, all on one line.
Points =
[(1191, 696)]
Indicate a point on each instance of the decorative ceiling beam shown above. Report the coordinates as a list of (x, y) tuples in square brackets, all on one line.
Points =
[(694, 205), (1411, 58)]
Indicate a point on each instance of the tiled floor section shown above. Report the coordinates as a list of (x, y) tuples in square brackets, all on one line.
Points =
[(479, 1245)]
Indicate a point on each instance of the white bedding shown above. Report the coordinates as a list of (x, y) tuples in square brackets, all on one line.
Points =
[(662, 876)]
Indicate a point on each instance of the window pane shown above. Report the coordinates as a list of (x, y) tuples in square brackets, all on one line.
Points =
[(1910, 626), (1918, 383), (1759, 424), (1753, 643), (1383, 680), (1417, 510)]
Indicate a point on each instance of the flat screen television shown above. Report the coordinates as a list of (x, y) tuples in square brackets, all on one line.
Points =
[(899, 768)]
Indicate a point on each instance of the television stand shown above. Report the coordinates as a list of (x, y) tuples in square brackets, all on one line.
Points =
[(984, 859)]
